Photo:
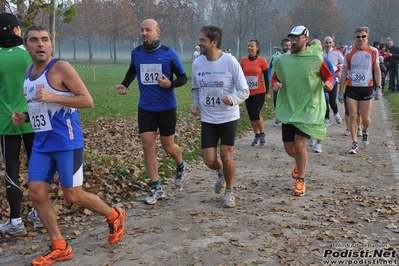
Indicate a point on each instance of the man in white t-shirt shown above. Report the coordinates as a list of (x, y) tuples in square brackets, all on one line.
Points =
[(218, 87)]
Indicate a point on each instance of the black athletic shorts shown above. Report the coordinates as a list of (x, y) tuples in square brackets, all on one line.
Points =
[(211, 133), (151, 121), (359, 93), (289, 131)]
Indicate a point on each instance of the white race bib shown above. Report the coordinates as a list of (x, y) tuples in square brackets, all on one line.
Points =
[(360, 77), (39, 117), (252, 82), (149, 73), (211, 97)]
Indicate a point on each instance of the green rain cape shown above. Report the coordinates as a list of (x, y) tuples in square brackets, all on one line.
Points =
[(301, 100)]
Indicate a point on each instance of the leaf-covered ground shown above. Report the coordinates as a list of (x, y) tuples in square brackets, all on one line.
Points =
[(113, 164)]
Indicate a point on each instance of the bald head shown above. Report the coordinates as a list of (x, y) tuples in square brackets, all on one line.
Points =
[(151, 22), (149, 31), (328, 38), (328, 43)]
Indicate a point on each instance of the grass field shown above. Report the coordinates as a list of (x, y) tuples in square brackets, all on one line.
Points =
[(108, 104)]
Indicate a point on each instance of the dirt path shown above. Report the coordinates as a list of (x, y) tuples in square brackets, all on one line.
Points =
[(352, 203)]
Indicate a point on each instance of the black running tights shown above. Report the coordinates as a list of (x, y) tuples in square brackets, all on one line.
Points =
[(11, 147)]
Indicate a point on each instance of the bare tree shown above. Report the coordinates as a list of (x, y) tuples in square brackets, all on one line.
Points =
[(143, 9), (176, 20), (385, 18), (85, 25), (321, 17), (117, 21), (354, 16)]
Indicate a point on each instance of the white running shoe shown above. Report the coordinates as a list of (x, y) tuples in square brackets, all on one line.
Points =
[(33, 217), (338, 118), (327, 122), (8, 228), (181, 175), (311, 142), (354, 149), (220, 185), (366, 138), (156, 193), (229, 201), (317, 148)]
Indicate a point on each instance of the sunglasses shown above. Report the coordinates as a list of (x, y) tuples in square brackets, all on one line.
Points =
[(361, 36), (295, 37)]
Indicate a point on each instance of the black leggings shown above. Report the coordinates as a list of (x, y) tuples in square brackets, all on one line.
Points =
[(332, 99), (11, 147), (274, 98), (254, 105)]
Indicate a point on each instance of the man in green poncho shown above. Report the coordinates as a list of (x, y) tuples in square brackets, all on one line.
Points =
[(300, 78)]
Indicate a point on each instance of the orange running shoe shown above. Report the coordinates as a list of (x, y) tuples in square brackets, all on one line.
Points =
[(295, 172), (52, 255), (117, 227), (299, 187)]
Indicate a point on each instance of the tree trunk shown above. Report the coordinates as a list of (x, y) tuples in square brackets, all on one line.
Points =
[(74, 49), (59, 49), (181, 42), (90, 50), (2, 6), (115, 50), (110, 49)]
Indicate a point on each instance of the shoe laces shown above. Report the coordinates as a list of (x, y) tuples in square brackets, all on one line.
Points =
[(155, 189), (299, 182), (228, 194), (179, 173), (111, 227), (49, 251)]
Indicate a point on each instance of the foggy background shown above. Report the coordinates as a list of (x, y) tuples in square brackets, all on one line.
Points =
[(110, 28)]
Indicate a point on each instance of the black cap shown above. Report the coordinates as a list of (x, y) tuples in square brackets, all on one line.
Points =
[(8, 21)]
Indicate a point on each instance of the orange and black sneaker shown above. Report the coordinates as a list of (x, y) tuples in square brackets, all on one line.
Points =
[(295, 172), (117, 227), (299, 187), (52, 255)]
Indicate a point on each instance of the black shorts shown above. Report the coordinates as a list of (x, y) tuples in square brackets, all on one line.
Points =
[(151, 121), (359, 93), (211, 133), (289, 131)]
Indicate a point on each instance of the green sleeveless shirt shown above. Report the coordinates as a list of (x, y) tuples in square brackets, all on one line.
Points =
[(301, 101)]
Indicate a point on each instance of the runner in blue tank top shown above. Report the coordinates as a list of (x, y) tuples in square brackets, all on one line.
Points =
[(54, 92)]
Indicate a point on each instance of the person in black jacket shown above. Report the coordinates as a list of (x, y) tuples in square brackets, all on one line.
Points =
[(392, 65)]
